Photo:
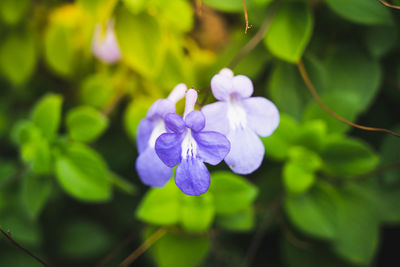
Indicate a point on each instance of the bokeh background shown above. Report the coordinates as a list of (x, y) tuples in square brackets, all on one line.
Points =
[(327, 194)]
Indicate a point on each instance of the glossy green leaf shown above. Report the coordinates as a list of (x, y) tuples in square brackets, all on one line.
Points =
[(83, 174), (35, 193), (11, 12), (18, 58), (85, 123), (239, 221), (47, 114), (232, 193), (197, 212), (347, 158), (361, 11), (290, 31)]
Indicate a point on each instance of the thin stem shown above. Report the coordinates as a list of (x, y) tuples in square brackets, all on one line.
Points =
[(246, 18), (257, 38), (199, 8), (316, 97), (15, 243), (145, 246), (388, 5)]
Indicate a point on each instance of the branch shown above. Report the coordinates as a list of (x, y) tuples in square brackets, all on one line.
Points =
[(388, 5), (316, 97), (246, 18), (15, 243)]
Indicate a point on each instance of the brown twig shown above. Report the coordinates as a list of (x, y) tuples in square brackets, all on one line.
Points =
[(257, 38), (246, 18), (199, 8), (145, 246), (388, 5), (15, 243), (316, 97)]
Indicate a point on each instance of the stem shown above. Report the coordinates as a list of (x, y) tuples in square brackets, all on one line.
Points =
[(145, 246), (246, 18), (388, 5), (316, 97)]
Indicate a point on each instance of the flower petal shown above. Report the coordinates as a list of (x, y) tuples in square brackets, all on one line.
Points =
[(169, 149), (221, 87), (174, 123), (216, 117), (160, 108), (152, 171), (195, 120), (262, 115), (212, 147), (247, 151), (192, 177), (242, 86), (145, 129)]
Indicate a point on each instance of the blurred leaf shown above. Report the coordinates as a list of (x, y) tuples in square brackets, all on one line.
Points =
[(7, 171), (290, 31), (25, 131), (47, 114), (361, 11), (180, 251), (177, 13), (197, 212), (347, 158), (83, 174), (239, 221), (59, 49), (232, 193), (160, 205), (17, 259), (35, 193), (18, 58), (313, 213), (226, 5), (40, 154), (83, 240), (141, 41), (85, 123), (135, 112), (123, 184), (136, 6), (390, 154), (12, 11), (97, 90), (312, 135), (100, 9), (380, 40)]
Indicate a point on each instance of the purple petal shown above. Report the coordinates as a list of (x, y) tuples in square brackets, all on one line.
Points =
[(242, 86), (152, 171), (192, 177), (195, 120), (247, 151), (105, 47), (145, 129), (160, 108), (262, 115), (169, 148), (174, 123), (221, 86), (216, 117), (212, 146)]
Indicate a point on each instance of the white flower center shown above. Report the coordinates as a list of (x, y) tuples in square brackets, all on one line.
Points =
[(158, 130), (236, 114), (189, 146)]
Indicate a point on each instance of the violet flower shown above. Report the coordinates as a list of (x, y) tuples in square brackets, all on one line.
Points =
[(186, 144), (241, 118), (105, 46), (152, 171)]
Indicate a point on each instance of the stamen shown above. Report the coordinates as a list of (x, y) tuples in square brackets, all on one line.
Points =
[(189, 146)]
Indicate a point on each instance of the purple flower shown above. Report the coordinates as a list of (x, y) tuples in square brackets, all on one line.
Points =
[(186, 144), (152, 171), (105, 46), (241, 118)]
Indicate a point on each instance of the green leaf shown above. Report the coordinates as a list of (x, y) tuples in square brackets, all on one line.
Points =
[(42, 161), (312, 135), (18, 58), (136, 6), (240, 221), (313, 213), (232, 193), (7, 172), (12, 11), (47, 114), (390, 154), (178, 14), (83, 174), (161, 205), (197, 212), (380, 40), (180, 251), (146, 55), (85, 124), (226, 5), (348, 158), (361, 11), (35, 193), (84, 240), (135, 112), (97, 90), (59, 49), (290, 31)]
